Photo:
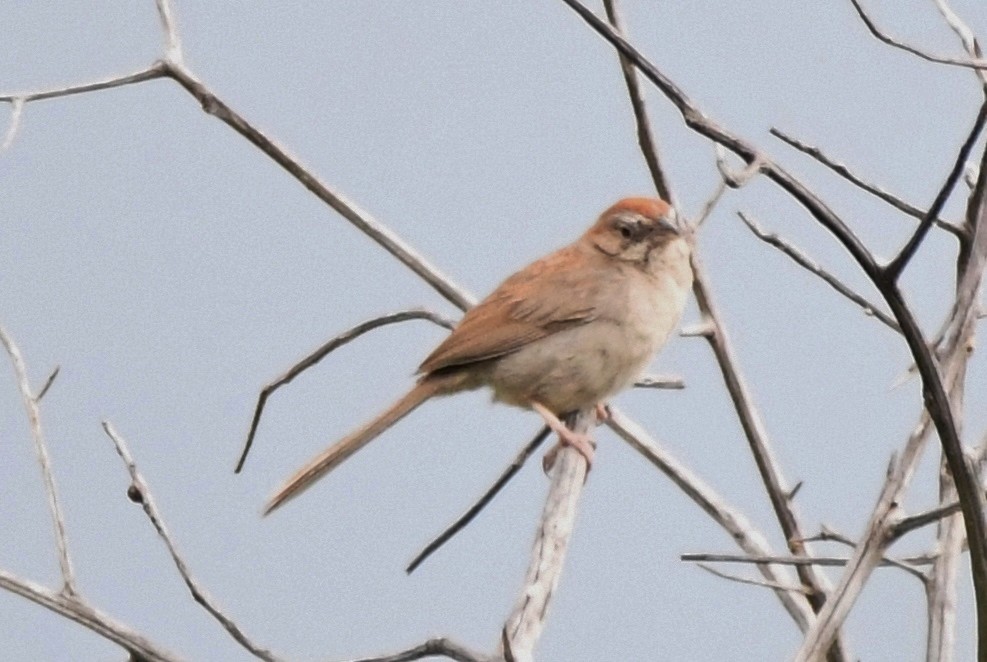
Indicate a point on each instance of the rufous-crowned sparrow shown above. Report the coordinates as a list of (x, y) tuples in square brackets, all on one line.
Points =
[(565, 333)]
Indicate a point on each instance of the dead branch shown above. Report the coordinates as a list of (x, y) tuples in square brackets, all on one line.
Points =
[(524, 625), (929, 57), (138, 492), (30, 401), (463, 520), (322, 352), (741, 531), (844, 172), (78, 611), (775, 586), (812, 266)]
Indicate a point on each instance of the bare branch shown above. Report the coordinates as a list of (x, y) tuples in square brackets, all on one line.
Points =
[(364, 222), (660, 382), (524, 625), (757, 438), (737, 178), (868, 554), (47, 384), (753, 582), (17, 107), (728, 179), (322, 352), (844, 172), (836, 561), (897, 265), (828, 534), (963, 31), (812, 266), (463, 520), (139, 493), (41, 448), (711, 202), (645, 136), (88, 617), (156, 70), (890, 41), (431, 648), (732, 521), (173, 45), (908, 524)]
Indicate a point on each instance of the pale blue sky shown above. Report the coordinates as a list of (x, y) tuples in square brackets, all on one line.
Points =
[(172, 270)]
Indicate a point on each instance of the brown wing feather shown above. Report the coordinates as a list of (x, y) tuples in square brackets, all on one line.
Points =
[(543, 298)]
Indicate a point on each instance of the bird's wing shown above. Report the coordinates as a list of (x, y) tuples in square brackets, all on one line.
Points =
[(545, 297)]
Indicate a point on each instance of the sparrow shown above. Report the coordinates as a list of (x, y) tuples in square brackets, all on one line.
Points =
[(567, 332)]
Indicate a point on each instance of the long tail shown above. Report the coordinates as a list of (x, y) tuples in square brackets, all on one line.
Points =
[(336, 454)]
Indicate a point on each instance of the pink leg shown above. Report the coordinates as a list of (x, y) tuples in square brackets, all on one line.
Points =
[(602, 412), (581, 442)]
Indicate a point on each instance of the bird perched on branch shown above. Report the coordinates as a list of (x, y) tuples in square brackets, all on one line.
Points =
[(566, 332)]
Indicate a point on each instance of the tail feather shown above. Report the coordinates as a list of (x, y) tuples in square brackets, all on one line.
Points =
[(336, 454)]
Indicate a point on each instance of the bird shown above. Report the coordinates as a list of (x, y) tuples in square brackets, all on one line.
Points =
[(566, 332)]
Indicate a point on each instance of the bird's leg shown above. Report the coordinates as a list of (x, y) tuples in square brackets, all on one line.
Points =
[(581, 442), (602, 412)]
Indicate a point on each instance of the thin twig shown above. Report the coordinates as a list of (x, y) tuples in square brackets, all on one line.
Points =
[(711, 202), (776, 586), (891, 41), (832, 561), (970, 42), (173, 44), (139, 493), (728, 179), (645, 136), (898, 264), (828, 534), (463, 520), (737, 178), (908, 524), (844, 172), (322, 352), (47, 384), (660, 382), (156, 70), (16, 107), (812, 266), (74, 609), (431, 648), (41, 448)]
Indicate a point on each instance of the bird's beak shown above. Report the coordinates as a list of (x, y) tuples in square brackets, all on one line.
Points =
[(669, 223)]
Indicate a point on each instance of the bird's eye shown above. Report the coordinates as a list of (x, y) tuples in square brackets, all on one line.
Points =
[(625, 231)]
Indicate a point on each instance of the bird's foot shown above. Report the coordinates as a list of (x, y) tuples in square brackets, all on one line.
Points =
[(581, 442)]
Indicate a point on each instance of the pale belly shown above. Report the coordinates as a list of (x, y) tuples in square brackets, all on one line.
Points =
[(570, 370), (585, 365)]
